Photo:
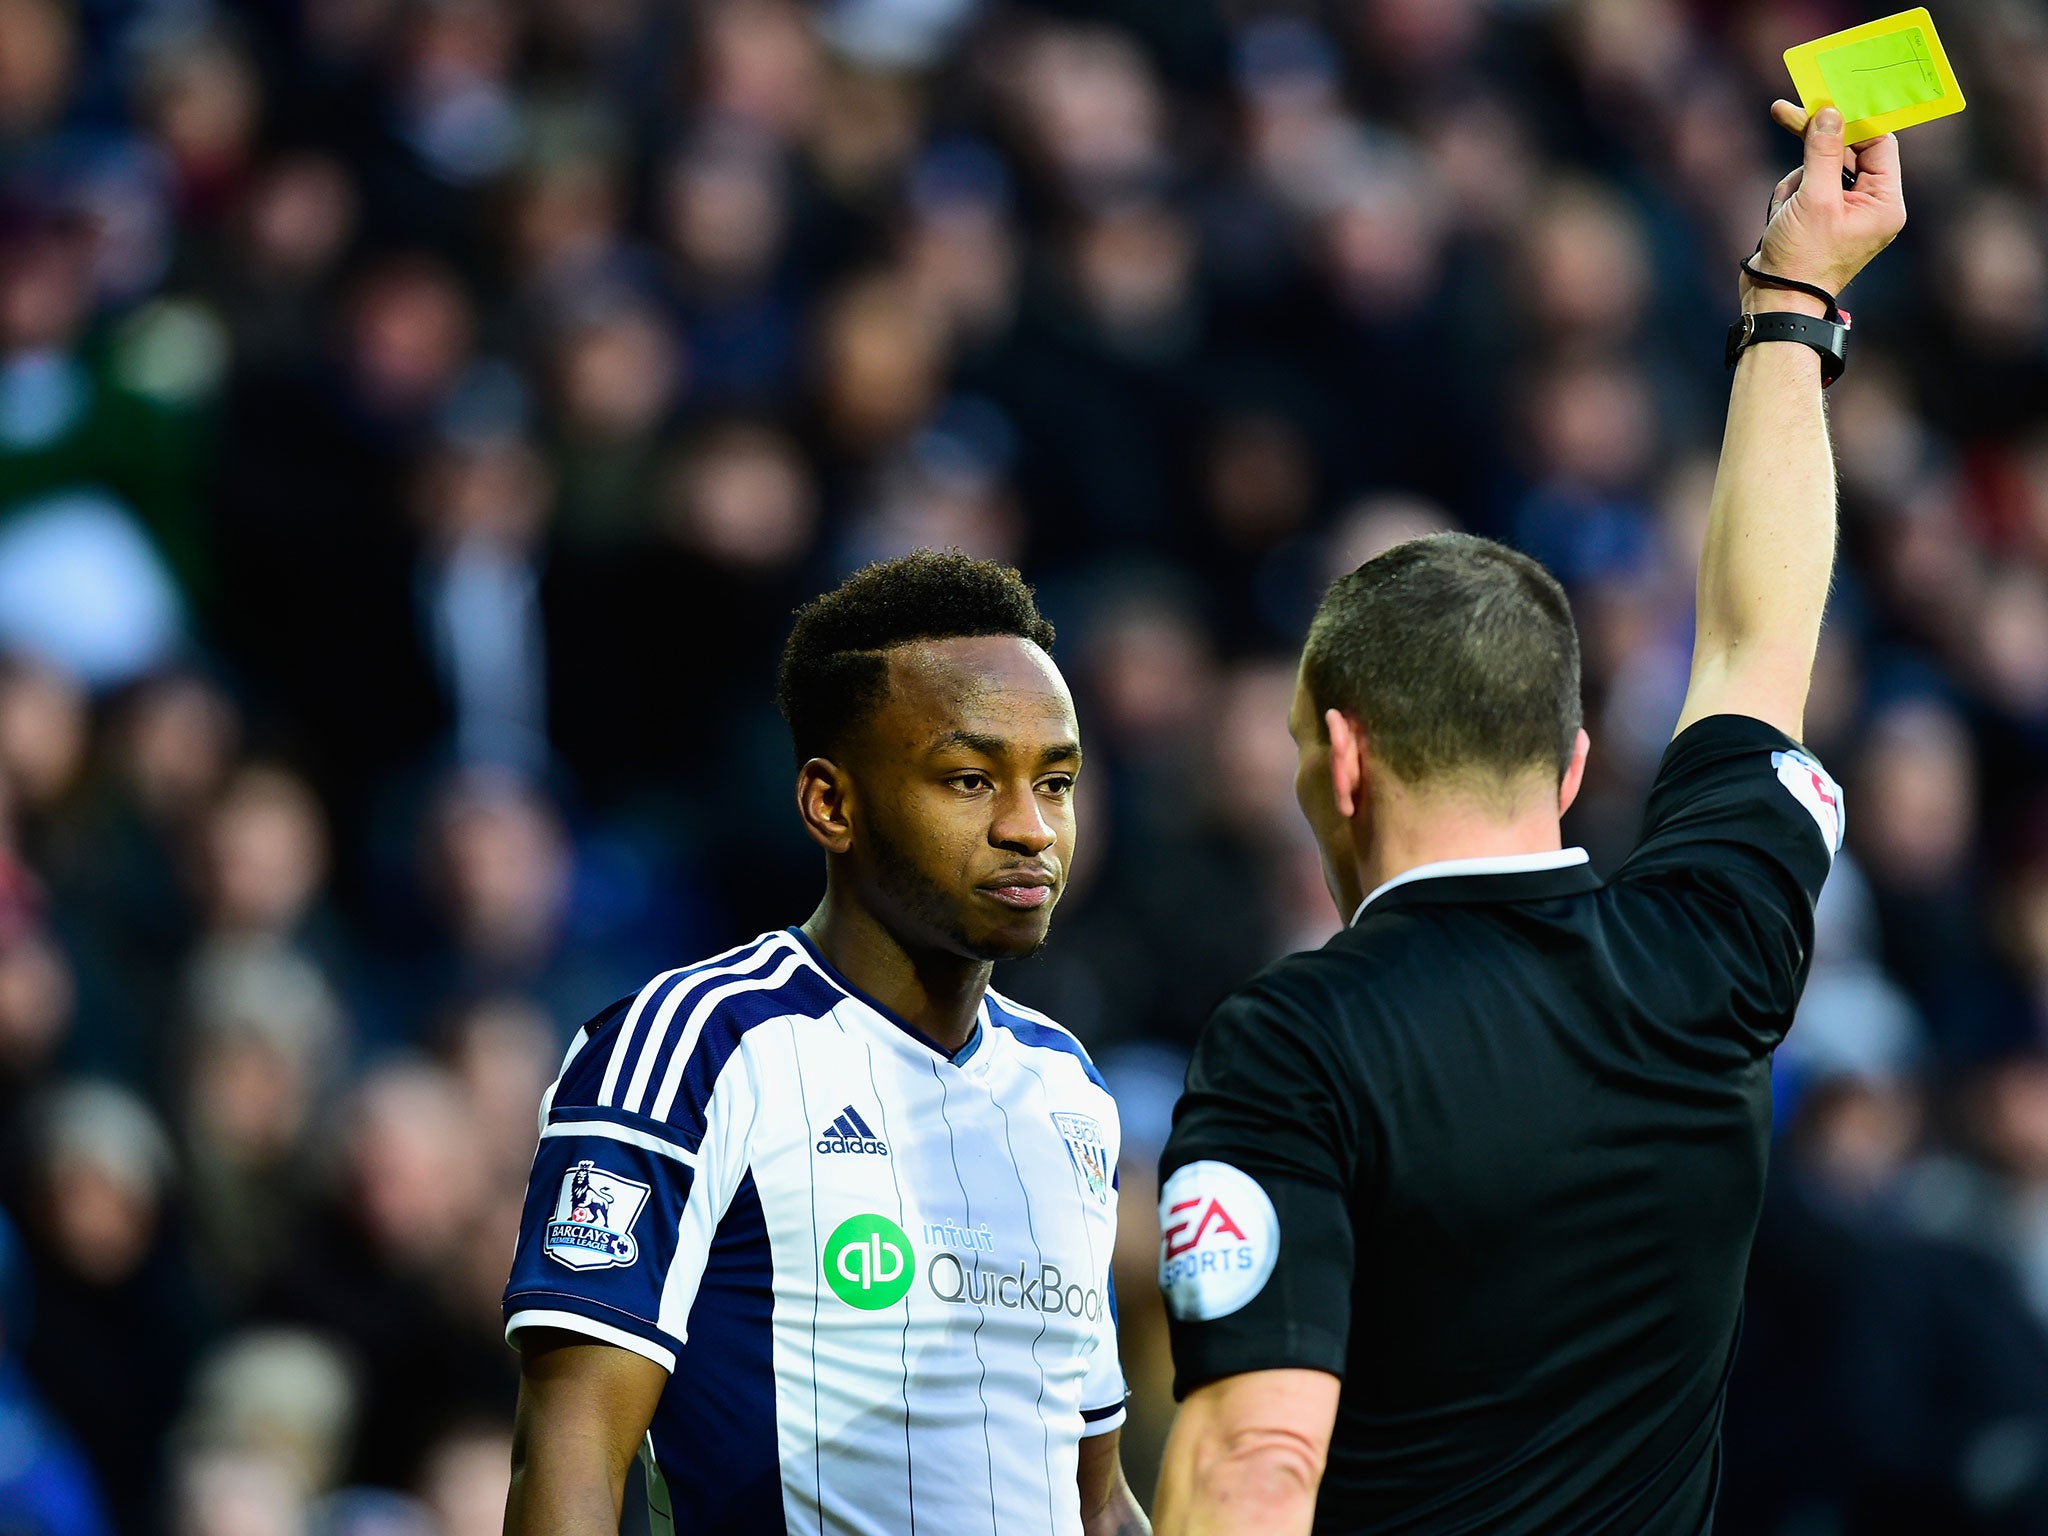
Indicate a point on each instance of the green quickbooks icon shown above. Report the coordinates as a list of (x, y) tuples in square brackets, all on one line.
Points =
[(868, 1262)]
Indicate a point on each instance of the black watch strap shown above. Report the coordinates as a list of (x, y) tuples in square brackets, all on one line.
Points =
[(1830, 338)]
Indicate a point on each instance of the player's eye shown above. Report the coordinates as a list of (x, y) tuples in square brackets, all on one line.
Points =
[(1061, 784), (972, 783)]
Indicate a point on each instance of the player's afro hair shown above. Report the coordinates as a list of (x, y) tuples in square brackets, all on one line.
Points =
[(833, 671)]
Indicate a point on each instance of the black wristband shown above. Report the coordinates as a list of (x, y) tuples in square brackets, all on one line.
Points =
[(1830, 338)]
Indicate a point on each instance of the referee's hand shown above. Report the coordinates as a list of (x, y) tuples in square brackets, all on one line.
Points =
[(1821, 232)]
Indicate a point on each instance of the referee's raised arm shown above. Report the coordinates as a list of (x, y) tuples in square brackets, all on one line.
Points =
[(1770, 545), (1456, 1211)]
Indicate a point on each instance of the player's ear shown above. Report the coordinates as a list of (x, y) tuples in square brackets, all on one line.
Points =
[(823, 792), (1574, 773), (1347, 761)]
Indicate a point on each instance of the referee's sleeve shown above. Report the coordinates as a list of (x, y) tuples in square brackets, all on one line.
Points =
[(1743, 798), (1740, 831), (1256, 1245)]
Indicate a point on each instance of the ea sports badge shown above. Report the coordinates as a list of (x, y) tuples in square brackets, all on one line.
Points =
[(1219, 1239), (592, 1227)]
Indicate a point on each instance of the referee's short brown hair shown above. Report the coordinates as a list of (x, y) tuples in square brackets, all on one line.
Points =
[(1457, 655)]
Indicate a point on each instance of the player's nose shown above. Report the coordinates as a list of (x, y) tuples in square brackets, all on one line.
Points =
[(1020, 823)]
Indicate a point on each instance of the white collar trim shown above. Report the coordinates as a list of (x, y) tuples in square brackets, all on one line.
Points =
[(1495, 864)]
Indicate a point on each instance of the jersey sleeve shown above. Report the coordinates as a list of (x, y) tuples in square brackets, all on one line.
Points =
[(1742, 826), (1104, 1390), (1256, 1183), (617, 1226)]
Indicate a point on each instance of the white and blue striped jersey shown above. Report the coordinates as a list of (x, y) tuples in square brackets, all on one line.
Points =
[(878, 1275)]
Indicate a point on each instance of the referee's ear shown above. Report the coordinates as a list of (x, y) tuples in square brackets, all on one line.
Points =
[(823, 793), (1347, 761), (1574, 772)]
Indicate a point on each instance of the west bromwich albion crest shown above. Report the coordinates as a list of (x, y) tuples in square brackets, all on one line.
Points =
[(1091, 1156), (592, 1227)]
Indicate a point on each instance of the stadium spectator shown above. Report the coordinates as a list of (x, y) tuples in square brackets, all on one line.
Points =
[(46, 1488), (119, 1313)]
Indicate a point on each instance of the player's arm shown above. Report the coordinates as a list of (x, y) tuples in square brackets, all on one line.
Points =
[(1770, 543), (1246, 1455), (583, 1411), (1108, 1507)]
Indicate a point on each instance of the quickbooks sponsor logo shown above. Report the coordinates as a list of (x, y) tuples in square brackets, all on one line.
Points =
[(953, 1279), (868, 1262)]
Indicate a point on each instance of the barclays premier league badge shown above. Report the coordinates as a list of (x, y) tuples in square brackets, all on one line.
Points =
[(592, 1227), (1090, 1153), (1219, 1239)]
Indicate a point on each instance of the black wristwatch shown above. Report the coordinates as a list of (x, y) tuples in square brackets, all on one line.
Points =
[(1830, 338)]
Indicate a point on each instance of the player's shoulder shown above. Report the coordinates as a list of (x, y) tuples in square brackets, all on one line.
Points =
[(633, 1055), (729, 981), (1040, 1032)]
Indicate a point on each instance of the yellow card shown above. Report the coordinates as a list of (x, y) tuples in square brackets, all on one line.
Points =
[(1882, 76)]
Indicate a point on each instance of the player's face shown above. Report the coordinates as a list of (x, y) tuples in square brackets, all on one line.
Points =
[(1317, 796), (964, 779)]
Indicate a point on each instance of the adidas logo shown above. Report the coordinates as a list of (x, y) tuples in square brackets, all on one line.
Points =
[(850, 1133)]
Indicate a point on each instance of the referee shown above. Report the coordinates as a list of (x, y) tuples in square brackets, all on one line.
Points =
[(1456, 1210)]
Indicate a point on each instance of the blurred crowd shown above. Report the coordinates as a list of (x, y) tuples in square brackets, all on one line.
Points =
[(418, 419)]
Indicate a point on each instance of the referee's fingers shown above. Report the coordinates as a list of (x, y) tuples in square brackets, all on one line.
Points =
[(1878, 162), (1823, 182), (1786, 186), (1791, 117)]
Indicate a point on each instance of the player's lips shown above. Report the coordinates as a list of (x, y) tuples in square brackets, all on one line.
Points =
[(1023, 889)]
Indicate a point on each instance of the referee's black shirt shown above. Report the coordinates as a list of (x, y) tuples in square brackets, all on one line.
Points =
[(1494, 1155)]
